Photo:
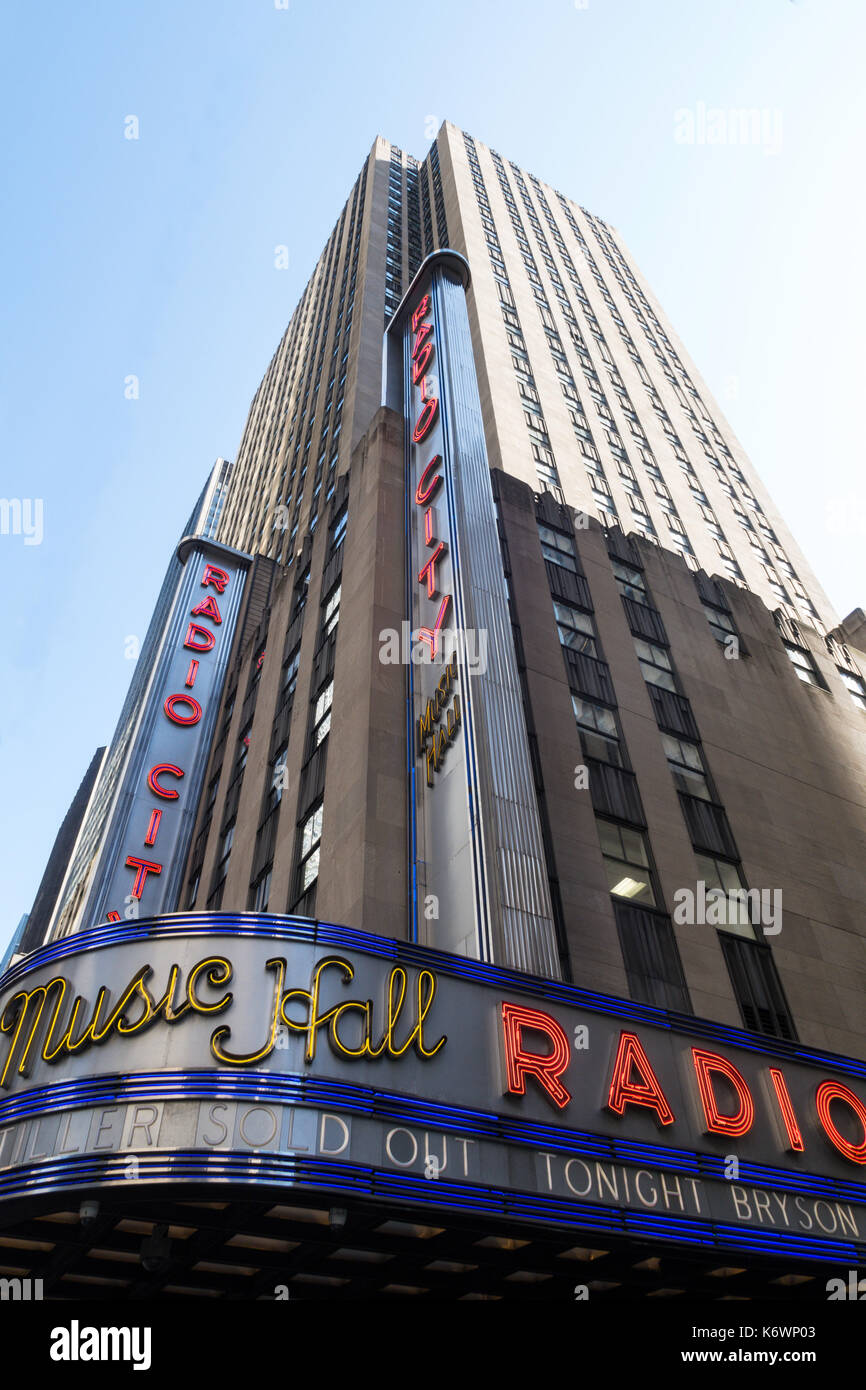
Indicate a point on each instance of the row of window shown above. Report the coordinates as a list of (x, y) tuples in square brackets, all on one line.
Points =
[(538, 436), (640, 514), (633, 293), (762, 1007), (809, 673), (649, 946)]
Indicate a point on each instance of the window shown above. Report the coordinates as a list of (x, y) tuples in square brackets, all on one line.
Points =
[(338, 528), (528, 391), (652, 961), (260, 892), (557, 548), (331, 612), (243, 749), (212, 792), (687, 766), (290, 673), (322, 714), (599, 735), (599, 484), (733, 571), (226, 842), (279, 777), (856, 686), (576, 629), (301, 587), (214, 902), (802, 663), (757, 987), (723, 875), (310, 841), (630, 581), (721, 624), (655, 664), (627, 862), (192, 892)]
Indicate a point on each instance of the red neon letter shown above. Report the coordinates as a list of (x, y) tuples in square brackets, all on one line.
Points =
[(420, 338), (834, 1090), (428, 571), (424, 491), (428, 412), (546, 1067), (420, 366), (795, 1138), (191, 674), (646, 1091), (431, 634), (208, 609), (113, 917), (153, 827), (156, 786), (215, 576), (174, 700), (717, 1123), (419, 313), (142, 867), (194, 631)]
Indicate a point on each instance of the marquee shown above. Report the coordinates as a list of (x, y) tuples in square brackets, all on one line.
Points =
[(280, 1052)]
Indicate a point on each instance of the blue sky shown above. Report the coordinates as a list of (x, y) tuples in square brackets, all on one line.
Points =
[(155, 257)]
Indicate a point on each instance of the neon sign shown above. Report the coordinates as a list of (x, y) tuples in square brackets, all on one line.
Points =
[(634, 1082), (183, 710), (430, 726), (40, 1013), (430, 480)]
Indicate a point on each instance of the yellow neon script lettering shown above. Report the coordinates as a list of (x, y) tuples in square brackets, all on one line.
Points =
[(28, 1010), (19, 1013), (267, 1047), (395, 995)]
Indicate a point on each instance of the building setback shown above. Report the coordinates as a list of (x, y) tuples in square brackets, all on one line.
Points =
[(628, 795)]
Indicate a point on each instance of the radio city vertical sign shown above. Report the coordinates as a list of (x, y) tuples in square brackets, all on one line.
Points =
[(476, 862), (447, 868), (148, 831)]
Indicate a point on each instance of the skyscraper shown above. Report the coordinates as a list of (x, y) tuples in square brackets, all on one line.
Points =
[(589, 403), (531, 698)]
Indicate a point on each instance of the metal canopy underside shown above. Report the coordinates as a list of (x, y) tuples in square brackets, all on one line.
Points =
[(225, 1248)]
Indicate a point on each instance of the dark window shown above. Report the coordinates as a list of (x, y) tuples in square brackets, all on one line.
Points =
[(757, 987), (652, 961), (192, 891), (260, 892), (338, 528)]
